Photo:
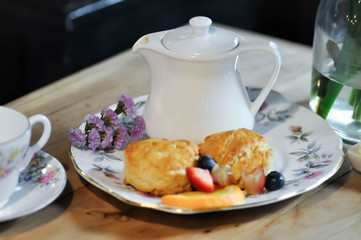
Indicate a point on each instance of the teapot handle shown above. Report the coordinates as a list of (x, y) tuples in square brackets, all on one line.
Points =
[(272, 48)]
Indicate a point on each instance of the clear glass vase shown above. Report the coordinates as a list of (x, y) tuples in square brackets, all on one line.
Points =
[(336, 72)]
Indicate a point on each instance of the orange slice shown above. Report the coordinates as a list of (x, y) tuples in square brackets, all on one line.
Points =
[(221, 198)]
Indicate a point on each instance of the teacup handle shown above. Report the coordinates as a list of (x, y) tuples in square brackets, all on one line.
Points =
[(37, 118), (272, 48)]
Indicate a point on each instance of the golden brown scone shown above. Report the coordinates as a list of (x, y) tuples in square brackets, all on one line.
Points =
[(157, 166), (241, 149)]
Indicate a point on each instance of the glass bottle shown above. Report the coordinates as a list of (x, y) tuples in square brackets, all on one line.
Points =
[(336, 71)]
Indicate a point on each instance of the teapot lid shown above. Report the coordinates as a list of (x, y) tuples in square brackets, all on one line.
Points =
[(200, 38)]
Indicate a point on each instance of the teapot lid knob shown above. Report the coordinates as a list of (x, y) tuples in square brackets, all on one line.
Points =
[(200, 25)]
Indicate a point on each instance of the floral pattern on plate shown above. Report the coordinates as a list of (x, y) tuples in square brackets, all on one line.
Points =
[(39, 185), (307, 153), (39, 173)]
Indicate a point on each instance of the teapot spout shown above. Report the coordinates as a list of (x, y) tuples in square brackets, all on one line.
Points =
[(140, 43), (150, 41)]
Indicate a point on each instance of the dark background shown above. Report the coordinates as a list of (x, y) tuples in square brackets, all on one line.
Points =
[(42, 41)]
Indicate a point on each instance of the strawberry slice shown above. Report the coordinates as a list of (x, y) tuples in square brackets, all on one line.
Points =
[(254, 182), (200, 179)]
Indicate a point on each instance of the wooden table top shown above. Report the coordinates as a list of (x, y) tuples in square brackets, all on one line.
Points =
[(331, 211)]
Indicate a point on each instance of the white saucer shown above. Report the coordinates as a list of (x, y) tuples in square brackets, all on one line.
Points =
[(39, 185)]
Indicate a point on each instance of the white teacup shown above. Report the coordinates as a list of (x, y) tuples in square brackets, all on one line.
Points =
[(15, 152)]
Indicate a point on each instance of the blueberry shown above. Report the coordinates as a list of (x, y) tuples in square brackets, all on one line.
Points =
[(274, 181), (206, 162)]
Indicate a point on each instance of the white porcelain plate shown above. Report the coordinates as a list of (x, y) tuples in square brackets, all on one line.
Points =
[(39, 185), (307, 153)]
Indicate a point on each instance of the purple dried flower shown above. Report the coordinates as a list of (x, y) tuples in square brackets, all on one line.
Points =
[(77, 137), (110, 131), (137, 130), (93, 139), (93, 121), (125, 105), (110, 118), (121, 137), (108, 113), (107, 138)]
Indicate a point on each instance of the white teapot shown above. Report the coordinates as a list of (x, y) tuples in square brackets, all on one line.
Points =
[(196, 88)]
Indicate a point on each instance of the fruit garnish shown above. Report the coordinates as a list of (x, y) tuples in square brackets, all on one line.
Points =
[(196, 200), (274, 181), (254, 182), (200, 179), (206, 162), (222, 177)]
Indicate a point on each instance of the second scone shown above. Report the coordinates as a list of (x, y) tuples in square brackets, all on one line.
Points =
[(241, 149), (157, 166)]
